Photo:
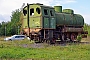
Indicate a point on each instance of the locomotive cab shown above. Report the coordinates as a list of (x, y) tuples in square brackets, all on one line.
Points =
[(38, 18), (34, 14), (48, 17), (40, 15)]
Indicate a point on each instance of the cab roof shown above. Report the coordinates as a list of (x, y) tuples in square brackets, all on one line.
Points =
[(41, 5)]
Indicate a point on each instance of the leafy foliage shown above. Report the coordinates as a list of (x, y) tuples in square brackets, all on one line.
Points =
[(87, 28), (2, 28), (79, 37), (12, 27)]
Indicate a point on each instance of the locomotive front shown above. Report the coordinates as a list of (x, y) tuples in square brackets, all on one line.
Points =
[(32, 19)]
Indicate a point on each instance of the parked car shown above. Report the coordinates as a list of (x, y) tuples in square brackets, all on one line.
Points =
[(16, 37)]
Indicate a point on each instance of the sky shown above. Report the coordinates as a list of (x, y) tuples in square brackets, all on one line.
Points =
[(79, 6)]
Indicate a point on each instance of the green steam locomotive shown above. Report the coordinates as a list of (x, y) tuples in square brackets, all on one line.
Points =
[(46, 23)]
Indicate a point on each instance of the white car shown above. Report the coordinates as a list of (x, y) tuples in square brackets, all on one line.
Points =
[(16, 37)]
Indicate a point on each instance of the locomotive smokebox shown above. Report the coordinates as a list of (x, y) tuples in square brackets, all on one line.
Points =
[(58, 9)]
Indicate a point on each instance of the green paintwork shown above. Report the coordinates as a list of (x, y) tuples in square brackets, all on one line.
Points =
[(60, 19), (25, 25), (69, 19), (79, 19), (35, 22), (35, 13), (46, 22), (68, 11), (35, 19), (40, 20), (58, 9), (52, 23)]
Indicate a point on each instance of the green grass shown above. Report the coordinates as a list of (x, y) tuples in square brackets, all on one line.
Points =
[(89, 31), (55, 52), (14, 50)]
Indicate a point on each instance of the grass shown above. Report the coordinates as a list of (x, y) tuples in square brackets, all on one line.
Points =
[(88, 29), (14, 50)]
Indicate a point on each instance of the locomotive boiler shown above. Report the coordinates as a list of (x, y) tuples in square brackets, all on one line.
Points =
[(46, 23)]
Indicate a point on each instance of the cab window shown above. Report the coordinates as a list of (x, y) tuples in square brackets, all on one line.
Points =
[(24, 12), (51, 13), (31, 12), (45, 11), (38, 10)]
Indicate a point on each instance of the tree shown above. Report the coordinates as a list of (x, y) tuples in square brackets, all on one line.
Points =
[(15, 21), (2, 28), (85, 26), (12, 26)]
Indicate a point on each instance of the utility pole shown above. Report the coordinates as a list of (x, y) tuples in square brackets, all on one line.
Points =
[(5, 29), (18, 30)]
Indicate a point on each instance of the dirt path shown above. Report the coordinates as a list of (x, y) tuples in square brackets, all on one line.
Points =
[(86, 39)]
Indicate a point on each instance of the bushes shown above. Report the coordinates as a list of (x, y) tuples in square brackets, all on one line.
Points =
[(79, 37)]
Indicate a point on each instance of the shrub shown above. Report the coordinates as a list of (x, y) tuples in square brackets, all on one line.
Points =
[(79, 37)]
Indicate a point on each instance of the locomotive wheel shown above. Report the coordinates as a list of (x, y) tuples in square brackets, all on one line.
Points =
[(72, 37), (32, 37), (63, 38), (52, 41)]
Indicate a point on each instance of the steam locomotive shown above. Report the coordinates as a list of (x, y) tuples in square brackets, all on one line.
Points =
[(46, 23)]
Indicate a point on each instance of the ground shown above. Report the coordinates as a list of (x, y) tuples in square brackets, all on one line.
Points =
[(25, 49), (86, 39)]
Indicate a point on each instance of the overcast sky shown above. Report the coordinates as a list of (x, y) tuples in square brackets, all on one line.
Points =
[(79, 7)]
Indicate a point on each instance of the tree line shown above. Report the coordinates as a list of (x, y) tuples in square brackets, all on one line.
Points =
[(11, 27)]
